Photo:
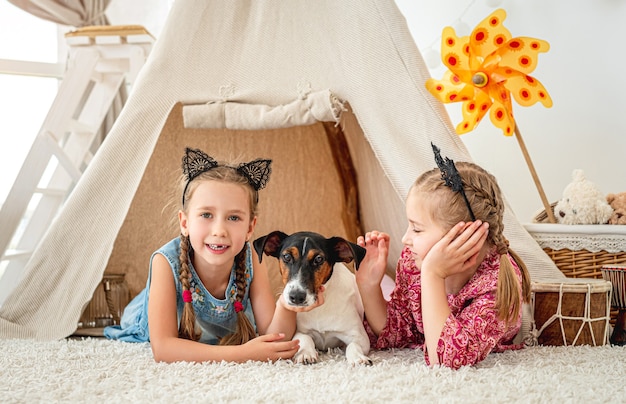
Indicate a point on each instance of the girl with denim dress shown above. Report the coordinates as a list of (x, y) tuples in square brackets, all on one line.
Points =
[(207, 297)]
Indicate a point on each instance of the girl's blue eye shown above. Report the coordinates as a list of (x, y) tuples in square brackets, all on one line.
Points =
[(234, 218), (207, 215)]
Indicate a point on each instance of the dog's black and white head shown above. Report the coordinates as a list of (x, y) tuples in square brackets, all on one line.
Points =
[(306, 261)]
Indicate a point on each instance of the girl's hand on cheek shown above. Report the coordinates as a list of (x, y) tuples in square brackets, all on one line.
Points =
[(458, 250)]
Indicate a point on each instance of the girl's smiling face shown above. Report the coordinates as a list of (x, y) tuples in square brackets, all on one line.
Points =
[(422, 232), (218, 222)]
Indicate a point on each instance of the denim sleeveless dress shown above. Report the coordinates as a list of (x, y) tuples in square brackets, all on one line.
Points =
[(214, 317)]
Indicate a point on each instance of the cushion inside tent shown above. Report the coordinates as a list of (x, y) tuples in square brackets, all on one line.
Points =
[(325, 178)]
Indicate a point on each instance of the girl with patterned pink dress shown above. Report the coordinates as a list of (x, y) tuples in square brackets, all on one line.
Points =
[(459, 288)]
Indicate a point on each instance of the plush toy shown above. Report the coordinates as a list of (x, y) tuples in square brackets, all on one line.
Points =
[(618, 203), (582, 203)]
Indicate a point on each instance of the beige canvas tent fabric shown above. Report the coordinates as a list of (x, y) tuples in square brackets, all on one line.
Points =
[(257, 53)]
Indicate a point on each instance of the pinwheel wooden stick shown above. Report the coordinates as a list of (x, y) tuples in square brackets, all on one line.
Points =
[(533, 173), (488, 69)]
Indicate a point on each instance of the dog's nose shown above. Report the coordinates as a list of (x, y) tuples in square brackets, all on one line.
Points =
[(297, 297)]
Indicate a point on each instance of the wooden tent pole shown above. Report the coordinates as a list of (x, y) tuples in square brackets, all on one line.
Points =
[(531, 167)]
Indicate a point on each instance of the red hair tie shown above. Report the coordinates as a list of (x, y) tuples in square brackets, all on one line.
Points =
[(238, 306), (187, 296)]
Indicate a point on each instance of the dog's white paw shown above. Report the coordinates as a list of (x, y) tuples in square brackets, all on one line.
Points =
[(355, 355), (362, 360), (306, 356)]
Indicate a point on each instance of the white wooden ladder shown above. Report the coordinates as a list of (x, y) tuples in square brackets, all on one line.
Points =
[(101, 60)]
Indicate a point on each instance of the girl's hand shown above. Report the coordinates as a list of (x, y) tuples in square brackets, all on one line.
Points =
[(458, 250), (270, 347), (373, 266), (300, 309)]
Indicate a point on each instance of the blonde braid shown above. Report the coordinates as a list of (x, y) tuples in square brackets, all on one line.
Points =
[(486, 201), (508, 293), (187, 328), (244, 330)]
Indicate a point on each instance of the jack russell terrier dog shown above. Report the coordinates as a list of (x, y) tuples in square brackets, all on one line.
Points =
[(307, 261)]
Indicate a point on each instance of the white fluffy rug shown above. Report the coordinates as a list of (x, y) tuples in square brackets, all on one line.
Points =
[(97, 369)]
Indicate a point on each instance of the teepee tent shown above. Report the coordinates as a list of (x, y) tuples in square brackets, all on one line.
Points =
[(332, 91)]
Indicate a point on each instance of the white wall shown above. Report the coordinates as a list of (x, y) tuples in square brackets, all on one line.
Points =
[(149, 13), (584, 74)]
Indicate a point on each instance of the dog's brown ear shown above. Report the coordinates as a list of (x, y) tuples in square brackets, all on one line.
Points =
[(269, 244), (346, 251)]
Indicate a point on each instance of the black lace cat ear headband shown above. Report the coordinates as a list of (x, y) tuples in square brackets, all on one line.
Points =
[(450, 175), (196, 162)]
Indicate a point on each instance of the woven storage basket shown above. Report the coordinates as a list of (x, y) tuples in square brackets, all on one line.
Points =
[(583, 263), (580, 251), (107, 304)]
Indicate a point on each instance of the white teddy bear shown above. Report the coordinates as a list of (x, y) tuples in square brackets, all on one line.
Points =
[(582, 203)]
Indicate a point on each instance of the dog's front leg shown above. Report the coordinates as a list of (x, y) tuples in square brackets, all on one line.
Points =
[(357, 350), (307, 353)]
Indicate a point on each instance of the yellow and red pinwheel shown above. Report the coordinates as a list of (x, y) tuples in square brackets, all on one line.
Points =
[(486, 69)]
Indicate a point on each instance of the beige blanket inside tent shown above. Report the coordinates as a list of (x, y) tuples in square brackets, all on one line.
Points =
[(339, 180)]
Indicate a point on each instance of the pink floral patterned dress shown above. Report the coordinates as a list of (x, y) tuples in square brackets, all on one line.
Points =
[(472, 330)]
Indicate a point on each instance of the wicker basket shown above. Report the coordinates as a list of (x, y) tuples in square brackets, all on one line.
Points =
[(583, 263), (107, 304), (591, 247)]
